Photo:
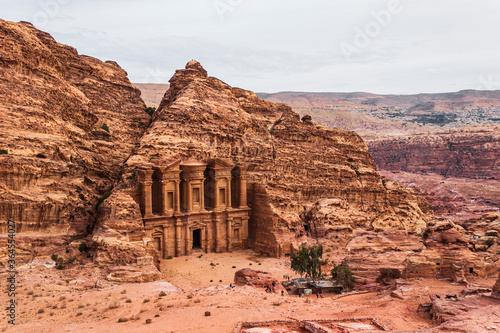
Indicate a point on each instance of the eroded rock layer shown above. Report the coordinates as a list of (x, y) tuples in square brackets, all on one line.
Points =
[(471, 153), (292, 162), (67, 122)]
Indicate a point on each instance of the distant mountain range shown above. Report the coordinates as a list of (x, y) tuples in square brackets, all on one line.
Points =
[(428, 102)]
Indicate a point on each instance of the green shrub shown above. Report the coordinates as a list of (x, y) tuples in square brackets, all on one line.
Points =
[(307, 261), (132, 176), (4, 151), (343, 275), (83, 247), (170, 257), (150, 110), (105, 127), (148, 321), (122, 320), (104, 197), (54, 257), (207, 313), (163, 294)]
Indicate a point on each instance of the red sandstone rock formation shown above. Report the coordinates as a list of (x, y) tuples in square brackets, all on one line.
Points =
[(292, 163), (119, 239), (471, 154), (444, 252), (59, 161), (496, 289), (258, 279)]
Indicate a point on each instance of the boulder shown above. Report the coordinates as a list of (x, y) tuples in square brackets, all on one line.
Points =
[(257, 279)]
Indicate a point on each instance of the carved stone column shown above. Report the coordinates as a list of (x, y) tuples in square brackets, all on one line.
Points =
[(178, 240), (228, 193), (188, 244), (164, 206), (216, 193), (243, 191), (202, 195), (217, 235), (146, 192), (177, 198), (189, 196), (229, 233), (165, 242), (208, 231), (204, 239)]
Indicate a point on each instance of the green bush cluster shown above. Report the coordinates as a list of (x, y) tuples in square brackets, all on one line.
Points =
[(150, 110), (343, 275), (307, 260), (105, 127), (104, 197)]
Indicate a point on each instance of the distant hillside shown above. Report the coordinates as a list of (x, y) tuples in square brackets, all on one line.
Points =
[(152, 93), (437, 102)]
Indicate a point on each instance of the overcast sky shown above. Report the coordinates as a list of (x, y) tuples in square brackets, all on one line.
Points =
[(380, 46)]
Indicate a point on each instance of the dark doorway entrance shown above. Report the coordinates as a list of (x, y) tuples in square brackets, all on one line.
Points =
[(197, 239)]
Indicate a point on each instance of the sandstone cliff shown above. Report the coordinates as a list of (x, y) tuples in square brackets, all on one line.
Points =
[(471, 153), (292, 162), (67, 124)]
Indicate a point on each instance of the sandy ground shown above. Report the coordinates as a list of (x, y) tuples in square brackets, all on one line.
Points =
[(50, 300)]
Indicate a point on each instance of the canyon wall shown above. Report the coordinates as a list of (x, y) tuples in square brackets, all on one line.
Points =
[(471, 153), (67, 123)]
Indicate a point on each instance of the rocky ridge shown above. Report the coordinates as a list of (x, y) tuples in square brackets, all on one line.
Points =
[(471, 154), (68, 122)]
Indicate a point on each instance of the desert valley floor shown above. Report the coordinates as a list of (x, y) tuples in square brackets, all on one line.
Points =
[(80, 300)]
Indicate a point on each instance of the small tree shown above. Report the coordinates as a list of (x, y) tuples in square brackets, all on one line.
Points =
[(150, 110), (83, 247), (343, 275), (105, 127), (307, 261)]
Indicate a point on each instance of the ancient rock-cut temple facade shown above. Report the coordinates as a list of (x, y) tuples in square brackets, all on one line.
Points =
[(188, 205)]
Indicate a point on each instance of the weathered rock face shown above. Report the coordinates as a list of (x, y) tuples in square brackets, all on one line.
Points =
[(496, 289), (119, 239), (470, 154), (53, 103), (291, 162), (258, 279), (444, 252), (457, 314)]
